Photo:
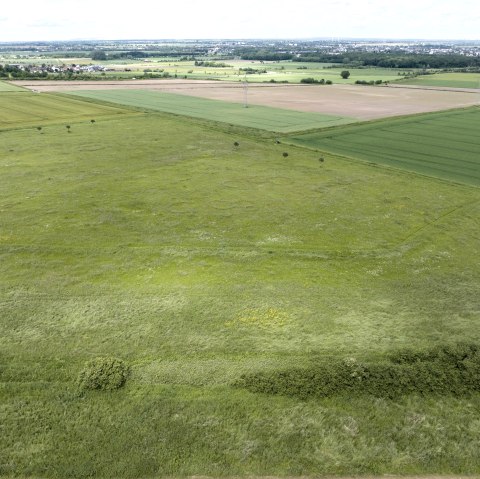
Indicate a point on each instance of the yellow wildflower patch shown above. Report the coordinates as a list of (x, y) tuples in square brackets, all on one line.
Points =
[(261, 318)]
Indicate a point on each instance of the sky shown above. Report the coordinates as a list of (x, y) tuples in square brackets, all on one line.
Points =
[(188, 19)]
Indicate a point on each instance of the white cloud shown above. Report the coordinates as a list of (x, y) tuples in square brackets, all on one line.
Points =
[(57, 19)]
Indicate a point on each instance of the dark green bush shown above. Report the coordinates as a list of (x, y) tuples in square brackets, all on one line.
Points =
[(103, 373), (451, 369)]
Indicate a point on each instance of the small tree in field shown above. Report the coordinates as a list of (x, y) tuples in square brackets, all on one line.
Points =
[(345, 74)]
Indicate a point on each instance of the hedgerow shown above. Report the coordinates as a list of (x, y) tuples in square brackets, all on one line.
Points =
[(453, 369)]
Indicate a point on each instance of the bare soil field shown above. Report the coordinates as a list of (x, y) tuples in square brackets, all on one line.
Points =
[(361, 102)]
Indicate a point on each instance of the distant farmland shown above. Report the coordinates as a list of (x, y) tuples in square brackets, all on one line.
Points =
[(449, 80), (262, 117), (445, 145)]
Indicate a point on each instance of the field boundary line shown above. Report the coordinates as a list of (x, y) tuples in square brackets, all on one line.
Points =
[(436, 221)]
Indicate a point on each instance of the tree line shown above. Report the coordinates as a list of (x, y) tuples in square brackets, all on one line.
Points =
[(369, 59)]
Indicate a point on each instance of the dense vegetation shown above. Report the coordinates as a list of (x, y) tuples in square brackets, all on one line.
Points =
[(452, 369), (393, 59)]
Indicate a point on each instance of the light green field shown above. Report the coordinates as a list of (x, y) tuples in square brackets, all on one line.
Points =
[(7, 87), (154, 239), (445, 144), (450, 80), (291, 72), (255, 116), (23, 109)]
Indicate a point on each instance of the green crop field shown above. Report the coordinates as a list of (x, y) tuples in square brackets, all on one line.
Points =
[(255, 116), (450, 80), (7, 87), (23, 109), (445, 144), (157, 240)]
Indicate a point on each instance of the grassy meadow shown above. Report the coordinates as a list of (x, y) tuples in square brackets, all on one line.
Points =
[(8, 87), (444, 144), (255, 116), (153, 238), (450, 80)]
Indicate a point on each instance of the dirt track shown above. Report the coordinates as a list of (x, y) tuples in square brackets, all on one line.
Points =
[(358, 101)]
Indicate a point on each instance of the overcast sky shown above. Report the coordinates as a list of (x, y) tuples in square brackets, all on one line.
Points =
[(189, 19)]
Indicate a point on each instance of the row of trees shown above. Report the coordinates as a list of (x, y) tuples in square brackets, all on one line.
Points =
[(13, 71), (393, 60)]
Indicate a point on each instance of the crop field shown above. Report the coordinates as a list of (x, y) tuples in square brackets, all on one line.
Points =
[(22, 109), (4, 86), (449, 80), (445, 145), (196, 253), (255, 116), (353, 101)]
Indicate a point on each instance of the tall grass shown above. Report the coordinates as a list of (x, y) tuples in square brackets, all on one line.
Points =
[(154, 240)]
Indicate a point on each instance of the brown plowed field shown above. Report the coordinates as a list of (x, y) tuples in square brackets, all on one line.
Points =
[(357, 101)]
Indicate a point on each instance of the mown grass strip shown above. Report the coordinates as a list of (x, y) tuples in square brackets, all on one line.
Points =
[(8, 87), (29, 109), (255, 116)]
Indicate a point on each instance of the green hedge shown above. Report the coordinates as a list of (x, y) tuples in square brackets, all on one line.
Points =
[(451, 369)]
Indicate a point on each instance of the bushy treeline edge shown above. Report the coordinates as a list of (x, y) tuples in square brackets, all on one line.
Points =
[(372, 59), (452, 369)]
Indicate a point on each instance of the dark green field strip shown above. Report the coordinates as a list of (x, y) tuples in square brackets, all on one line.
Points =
[(402, 145), (256, 116), (361, 148), (428, 162), (456, 133), (443, 144), (434, 145)]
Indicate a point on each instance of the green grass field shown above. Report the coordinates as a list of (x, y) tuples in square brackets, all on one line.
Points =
[(450, 80), (7, 87), (255, 116), (444, 144), (154, 239), (26, 109)]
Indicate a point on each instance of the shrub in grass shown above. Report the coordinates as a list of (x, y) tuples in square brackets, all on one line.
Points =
[(285, 154), (452, 369), (104, 373)]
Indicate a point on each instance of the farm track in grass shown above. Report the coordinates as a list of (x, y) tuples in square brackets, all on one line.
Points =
[(444, 144), (255, 116), (25, 109)]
